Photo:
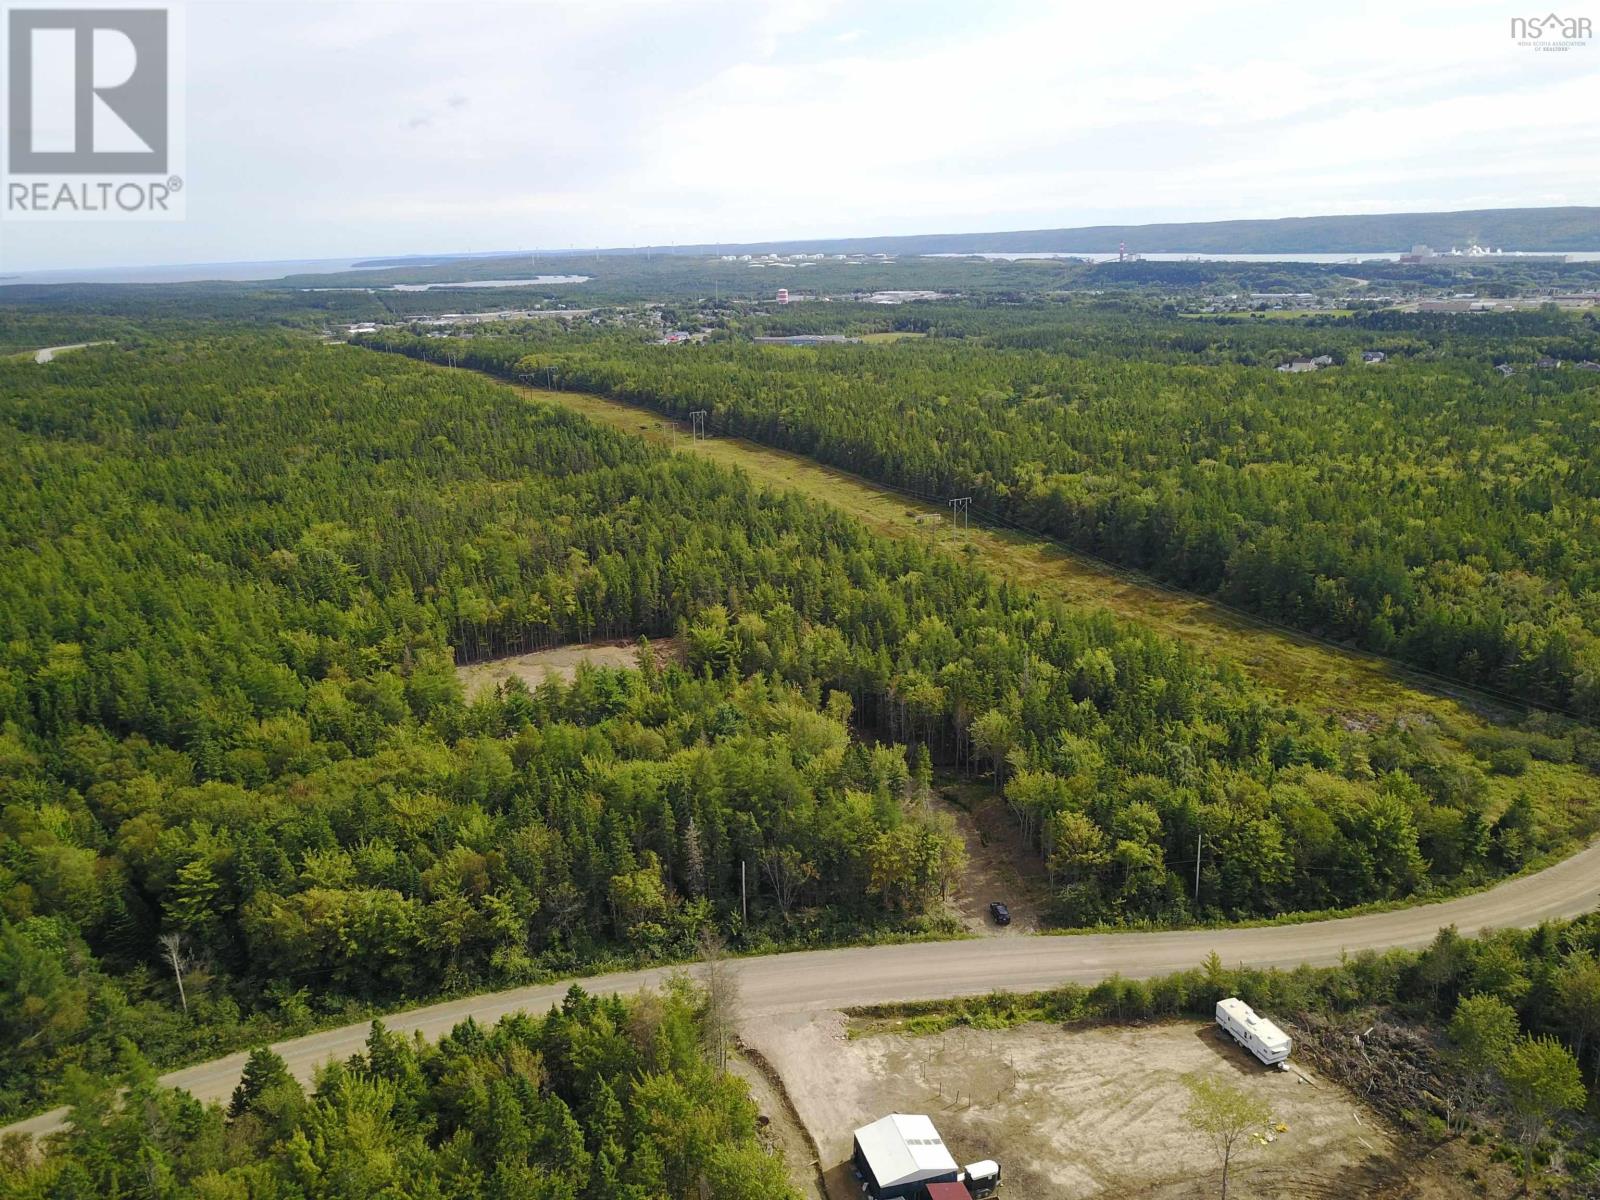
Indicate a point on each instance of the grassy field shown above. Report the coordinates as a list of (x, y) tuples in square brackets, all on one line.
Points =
[(1358, 688)]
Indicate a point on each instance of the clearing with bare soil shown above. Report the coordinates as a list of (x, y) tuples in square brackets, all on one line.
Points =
[(1000, 866), (1075, 1113), (562, 662)]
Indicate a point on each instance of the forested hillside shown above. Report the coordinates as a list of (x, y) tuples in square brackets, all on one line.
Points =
[(1428, 508), (1572, 228), (241, 790)]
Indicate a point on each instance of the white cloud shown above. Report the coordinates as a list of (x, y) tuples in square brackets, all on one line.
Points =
[(372, 127)]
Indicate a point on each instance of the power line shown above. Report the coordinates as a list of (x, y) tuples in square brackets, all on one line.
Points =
[(1131, 575)]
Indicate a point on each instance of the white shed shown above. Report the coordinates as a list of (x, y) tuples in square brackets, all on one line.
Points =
[(899, 1154)]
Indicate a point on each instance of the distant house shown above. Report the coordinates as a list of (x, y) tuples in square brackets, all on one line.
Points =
[(1505, 369), (1548, 364), (1588, 366), (1296, 365), (1322, 360), (1373, 356)]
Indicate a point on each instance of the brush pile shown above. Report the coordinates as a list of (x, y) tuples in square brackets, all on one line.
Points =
[(1394, 1068)]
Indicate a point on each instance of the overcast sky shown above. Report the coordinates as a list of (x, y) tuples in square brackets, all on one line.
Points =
[(371, 127)]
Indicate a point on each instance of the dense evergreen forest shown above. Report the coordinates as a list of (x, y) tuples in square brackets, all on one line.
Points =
[(242, 792), (601, 1099), (1426, 508)]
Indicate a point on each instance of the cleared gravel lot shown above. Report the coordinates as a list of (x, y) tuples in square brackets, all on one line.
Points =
[(1091, 1112)]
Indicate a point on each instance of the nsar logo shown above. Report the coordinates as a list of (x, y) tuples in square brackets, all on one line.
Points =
[(1551, 32)]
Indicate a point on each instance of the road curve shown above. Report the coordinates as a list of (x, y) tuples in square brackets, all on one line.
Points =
[(822, 979), (48, 353)]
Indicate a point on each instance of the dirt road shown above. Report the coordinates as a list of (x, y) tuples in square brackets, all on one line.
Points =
[(825, 979), (49, 353)]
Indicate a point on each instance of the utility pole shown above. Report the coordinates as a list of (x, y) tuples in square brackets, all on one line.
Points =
[(961, 512), (744, 907), (699, 419), (1198, 842)]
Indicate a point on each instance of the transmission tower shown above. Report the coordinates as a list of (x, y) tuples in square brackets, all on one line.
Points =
[(699, 419), (961, 512)]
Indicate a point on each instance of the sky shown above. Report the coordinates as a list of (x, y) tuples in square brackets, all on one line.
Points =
[(350, 128)]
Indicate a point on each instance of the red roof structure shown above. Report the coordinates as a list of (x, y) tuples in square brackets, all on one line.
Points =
[(948, 1191)]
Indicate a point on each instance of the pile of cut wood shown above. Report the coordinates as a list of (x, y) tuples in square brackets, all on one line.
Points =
[(1396, 1069)]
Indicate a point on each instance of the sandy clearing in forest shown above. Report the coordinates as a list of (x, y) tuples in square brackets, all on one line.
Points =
[(560, 661), (1084, 1112)]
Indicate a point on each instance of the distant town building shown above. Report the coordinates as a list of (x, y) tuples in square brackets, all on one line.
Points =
[(783, 295), (1296, 365), (1426, 254), (902, 296), (1505, 369), (1373, 356), (1548, 364), (1586, 365)]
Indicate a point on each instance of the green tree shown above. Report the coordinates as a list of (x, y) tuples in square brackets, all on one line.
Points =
[(1227, 1117), (262, 1070), (1542, 1081), (1482, 1033), (1577, 986)]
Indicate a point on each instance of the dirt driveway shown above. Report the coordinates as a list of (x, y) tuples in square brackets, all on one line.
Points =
[(999, 866)]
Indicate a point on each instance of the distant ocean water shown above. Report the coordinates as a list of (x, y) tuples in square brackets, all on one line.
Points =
[(235, 272)]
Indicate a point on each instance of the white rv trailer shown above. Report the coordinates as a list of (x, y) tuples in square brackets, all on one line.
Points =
[(1255, 1033)]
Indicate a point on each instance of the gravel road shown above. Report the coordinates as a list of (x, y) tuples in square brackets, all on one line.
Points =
[(827, 979)]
